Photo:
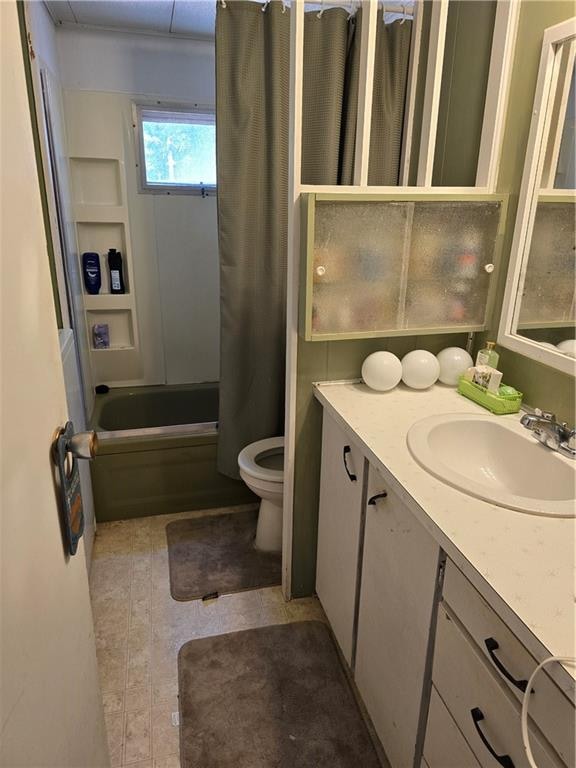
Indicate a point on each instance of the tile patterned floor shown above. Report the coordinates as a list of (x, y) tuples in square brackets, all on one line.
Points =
[(140, 628)]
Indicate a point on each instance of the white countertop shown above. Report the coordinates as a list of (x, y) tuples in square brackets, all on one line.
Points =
[(523, 564)]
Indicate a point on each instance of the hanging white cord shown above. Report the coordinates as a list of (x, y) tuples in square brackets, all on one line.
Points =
[(223, 3), (266, 4), (321, 11), (352, 10), (526, 703), (284, 6)]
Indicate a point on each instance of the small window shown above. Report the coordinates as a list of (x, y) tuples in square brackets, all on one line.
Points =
[(177, 150)]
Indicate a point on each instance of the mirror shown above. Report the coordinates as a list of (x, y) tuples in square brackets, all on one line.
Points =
[(539, 313)]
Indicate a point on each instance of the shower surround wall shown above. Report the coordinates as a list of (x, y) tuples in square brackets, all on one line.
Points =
[(173, 253)]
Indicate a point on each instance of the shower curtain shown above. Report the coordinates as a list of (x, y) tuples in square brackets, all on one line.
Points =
[(252, 70)]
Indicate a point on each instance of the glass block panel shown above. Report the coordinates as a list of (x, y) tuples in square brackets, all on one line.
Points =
[(549, 285), (387, 265)]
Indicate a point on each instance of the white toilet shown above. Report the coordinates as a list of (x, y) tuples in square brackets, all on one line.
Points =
[(262, 469)]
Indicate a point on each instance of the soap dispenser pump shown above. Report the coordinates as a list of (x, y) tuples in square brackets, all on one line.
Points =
[(488, 355)]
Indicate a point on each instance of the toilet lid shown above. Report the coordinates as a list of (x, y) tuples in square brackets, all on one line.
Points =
[(248, 459)]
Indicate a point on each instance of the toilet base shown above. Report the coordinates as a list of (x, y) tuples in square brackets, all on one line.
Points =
[(269, 530)]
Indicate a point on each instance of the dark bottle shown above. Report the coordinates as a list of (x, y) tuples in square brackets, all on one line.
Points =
[(115, 269), (91, 270)]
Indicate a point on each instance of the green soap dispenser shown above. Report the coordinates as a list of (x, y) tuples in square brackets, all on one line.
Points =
[(488, 355)]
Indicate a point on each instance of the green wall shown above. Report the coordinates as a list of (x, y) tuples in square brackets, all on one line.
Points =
[(325, 361), (464, 79), (542, 386), (329, 361)]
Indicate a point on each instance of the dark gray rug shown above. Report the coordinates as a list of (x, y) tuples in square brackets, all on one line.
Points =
[(273, 697), (215, 555)]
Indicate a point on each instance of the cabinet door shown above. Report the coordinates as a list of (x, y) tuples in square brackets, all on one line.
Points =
[(401, 265), (399, 576), (339, 519)]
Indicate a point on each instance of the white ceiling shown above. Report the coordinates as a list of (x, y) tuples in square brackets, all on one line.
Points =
[(193, 18)]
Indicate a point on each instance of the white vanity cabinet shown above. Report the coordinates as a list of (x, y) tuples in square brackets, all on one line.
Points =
[(397, 598), (480, 664), (511, 663), (438, 656), (445, 746), (484, 711), (339, 526)]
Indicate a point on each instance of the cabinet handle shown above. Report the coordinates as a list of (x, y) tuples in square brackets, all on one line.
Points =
[(373, 499), (345, 453), (491, 646), (477, 717)]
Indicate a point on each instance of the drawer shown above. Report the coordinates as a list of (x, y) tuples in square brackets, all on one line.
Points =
[(550, 709), (444, 746), (487, 715)]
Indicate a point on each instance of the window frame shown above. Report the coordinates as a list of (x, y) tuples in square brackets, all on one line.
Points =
[(151, 188)]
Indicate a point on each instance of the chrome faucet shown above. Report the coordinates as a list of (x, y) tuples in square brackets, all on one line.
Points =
[(549, 432)]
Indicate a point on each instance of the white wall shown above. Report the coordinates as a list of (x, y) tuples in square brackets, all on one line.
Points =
[(174, 237), (156, 65), (50, 705), (187, 249)]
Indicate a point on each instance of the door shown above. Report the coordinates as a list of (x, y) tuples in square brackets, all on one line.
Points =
[(399, 577), (50, 704), (339, 522)]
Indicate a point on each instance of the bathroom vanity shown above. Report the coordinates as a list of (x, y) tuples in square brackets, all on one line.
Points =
[(442, 603)]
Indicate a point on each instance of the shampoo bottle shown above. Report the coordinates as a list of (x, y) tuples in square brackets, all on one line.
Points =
[(91, 271), (488, 356), (115, 269)]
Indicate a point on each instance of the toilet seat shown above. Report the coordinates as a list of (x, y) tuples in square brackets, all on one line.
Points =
[(248, 459)]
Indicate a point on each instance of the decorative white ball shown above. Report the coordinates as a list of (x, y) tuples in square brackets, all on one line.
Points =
[(420, 369), (568, 347), (453, 362), (381, 371)]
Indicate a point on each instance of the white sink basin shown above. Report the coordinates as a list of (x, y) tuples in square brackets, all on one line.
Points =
[(493, 461)]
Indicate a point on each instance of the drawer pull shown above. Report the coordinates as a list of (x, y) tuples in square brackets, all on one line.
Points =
[(477, 717), (345, 453), (372, 501), (491, 646)]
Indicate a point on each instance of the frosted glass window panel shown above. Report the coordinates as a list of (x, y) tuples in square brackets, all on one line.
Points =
[(549, 287), (451, 245), (357, 270), (387, 266)]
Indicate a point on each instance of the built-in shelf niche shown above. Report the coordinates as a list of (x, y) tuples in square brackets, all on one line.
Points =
[(102, 222), (99, 237), (120, 328), (96, 181)]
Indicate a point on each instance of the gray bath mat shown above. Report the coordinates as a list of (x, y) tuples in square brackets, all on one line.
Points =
[(215, 555), (273, 697)]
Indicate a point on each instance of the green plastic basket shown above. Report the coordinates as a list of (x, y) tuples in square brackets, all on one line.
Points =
[(492, 401)]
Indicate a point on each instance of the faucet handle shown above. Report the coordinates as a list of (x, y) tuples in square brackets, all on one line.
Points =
[(547, 415)]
